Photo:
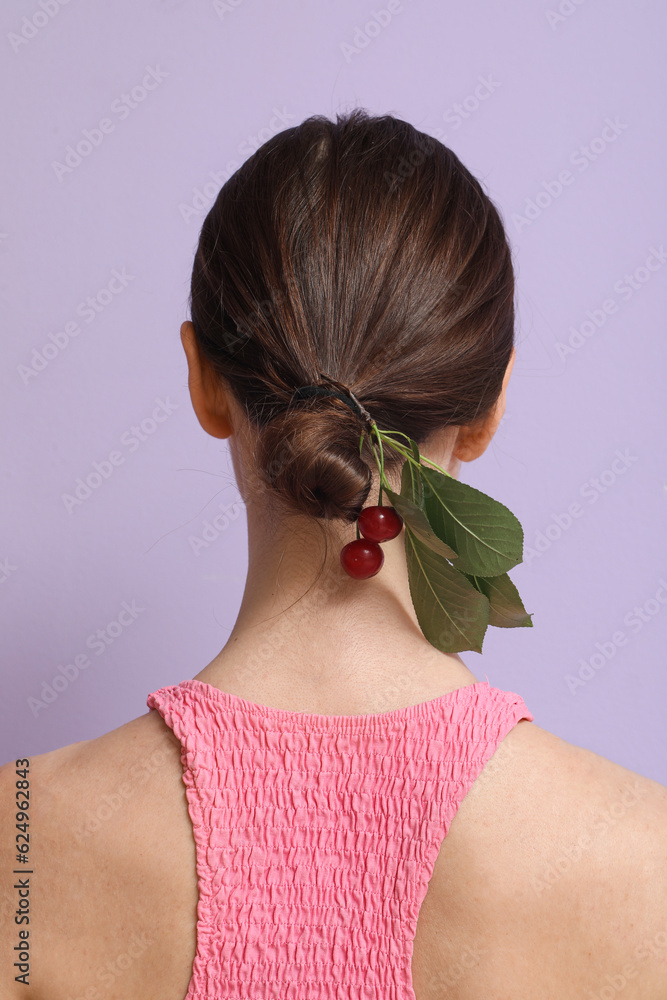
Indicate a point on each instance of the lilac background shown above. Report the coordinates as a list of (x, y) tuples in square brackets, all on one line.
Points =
[(228, 68)]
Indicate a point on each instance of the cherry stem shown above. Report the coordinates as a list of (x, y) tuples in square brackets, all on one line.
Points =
[(401, 449)]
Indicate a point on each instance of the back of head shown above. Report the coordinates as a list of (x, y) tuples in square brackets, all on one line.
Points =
[(365, 250)]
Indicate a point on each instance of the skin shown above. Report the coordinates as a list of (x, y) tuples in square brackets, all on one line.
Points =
[(328, 641)]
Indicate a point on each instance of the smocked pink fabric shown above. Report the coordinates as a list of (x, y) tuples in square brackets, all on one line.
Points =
[(316, 835)]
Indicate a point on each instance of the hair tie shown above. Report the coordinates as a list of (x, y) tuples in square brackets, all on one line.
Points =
[(342, 393)]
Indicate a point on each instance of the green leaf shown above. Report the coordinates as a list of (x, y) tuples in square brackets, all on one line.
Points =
[(446, 520), (452, 614), (411, 482), (415, 519), (486, 535), (507, 610)]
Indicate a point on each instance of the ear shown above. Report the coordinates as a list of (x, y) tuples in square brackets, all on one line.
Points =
[(209, 399), (473, 439)]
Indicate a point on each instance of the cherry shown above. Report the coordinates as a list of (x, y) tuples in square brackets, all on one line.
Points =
[(361, 559), (380, 524)]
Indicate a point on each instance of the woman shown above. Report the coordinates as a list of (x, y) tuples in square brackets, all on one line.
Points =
[(335, 806)]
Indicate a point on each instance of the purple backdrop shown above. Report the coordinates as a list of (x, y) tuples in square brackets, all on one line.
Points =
[(124, 121)]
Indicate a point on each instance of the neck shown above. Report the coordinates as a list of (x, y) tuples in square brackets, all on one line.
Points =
[(308, 634)]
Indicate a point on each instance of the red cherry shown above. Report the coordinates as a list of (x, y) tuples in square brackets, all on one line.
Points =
[(380, 524), (361, 559)]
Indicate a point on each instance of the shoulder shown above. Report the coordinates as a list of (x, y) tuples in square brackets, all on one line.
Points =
[(562, 853), (109, 837)]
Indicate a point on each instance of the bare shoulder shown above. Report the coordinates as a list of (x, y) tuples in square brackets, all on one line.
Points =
[(113, 855), (557, 861)]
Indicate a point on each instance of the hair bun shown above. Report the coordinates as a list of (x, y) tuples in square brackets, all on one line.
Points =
[(309, 455)]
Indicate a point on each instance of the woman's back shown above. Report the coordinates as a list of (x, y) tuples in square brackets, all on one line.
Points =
[(551, 881)]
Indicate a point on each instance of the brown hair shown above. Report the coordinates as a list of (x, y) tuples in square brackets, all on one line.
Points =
[(363, 249)]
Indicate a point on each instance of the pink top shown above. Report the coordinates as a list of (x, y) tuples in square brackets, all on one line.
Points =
[(316, 835)]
